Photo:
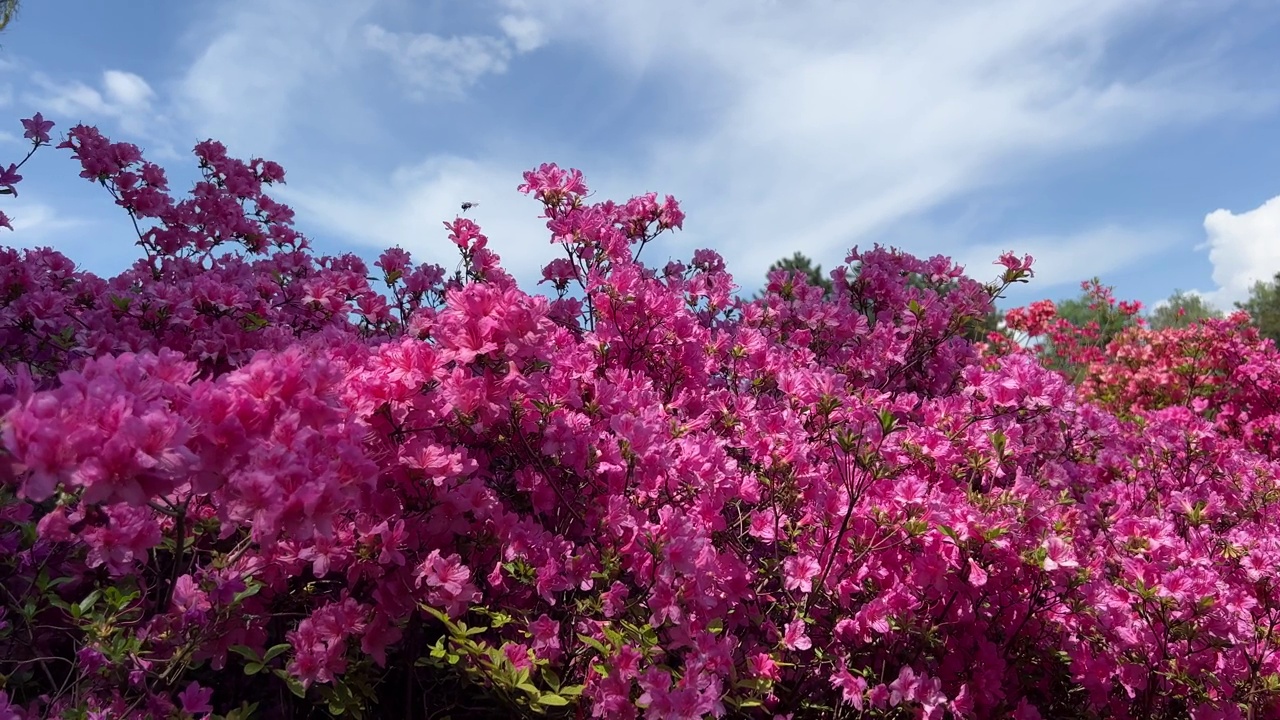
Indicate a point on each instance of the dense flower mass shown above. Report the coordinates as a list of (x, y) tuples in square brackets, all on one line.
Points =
[(240, 480)]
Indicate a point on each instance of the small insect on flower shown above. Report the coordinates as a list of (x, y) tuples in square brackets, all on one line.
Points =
[(468, 205)]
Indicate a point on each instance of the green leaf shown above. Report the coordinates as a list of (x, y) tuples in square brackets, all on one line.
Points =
[(253, 668), (529, 688), (275, 652), (244, 712), (888, 423), (594, 644), (295, 687), (553, 700), (88, 602), (253, 589), (999, 441), (246, 652)]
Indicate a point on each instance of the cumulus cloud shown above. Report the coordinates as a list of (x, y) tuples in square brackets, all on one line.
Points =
[(1244, 249)]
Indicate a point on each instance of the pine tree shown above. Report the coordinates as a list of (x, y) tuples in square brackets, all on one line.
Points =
[(801, 263)]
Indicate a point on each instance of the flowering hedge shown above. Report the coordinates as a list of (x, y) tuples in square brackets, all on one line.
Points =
[(240, 480)]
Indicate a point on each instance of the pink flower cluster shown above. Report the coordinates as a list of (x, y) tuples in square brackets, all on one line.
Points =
[(239, 476), (1065, 345)]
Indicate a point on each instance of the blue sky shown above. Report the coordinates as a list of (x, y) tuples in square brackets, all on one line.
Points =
[(1131, 139)]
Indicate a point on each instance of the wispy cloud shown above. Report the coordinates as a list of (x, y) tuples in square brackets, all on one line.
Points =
[(809, 125), (1070, 259), (429, 62), (433, 64), (409, 207), (836, 120), (270, 67), (36, 222), (818, 125), (526, 32), (123, 96)]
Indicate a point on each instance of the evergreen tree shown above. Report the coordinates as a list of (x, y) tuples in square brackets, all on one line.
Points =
[(801, 263), (1263, 306)]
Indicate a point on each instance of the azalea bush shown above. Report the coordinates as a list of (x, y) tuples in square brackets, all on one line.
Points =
[(240, 480), (1073, 336), (1220, 369)]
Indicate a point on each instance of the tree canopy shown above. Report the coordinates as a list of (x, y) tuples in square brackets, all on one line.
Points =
[(1181, 310), (1263, 306), (803, 264)]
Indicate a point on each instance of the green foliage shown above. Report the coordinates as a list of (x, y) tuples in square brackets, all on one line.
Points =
[(801, 263), (1263, 306), (532, 691), (1086, 308), (8, 8), (981, 329), (1092, 308), (1180, 310)]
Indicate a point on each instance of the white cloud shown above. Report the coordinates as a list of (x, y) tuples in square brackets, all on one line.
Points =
[(408, 209), (124, 97), (430, 62), (35, 222), (269, 65), (127, 90), (1243, 249), (816, 125), (809, 125), (526, 32)]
